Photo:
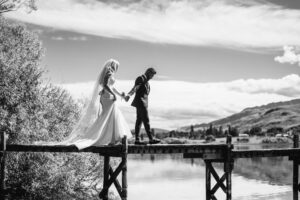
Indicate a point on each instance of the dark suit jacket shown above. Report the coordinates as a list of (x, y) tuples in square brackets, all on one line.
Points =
[(141, 95)]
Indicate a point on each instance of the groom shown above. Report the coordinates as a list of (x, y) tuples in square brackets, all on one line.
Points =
[(140, 102)]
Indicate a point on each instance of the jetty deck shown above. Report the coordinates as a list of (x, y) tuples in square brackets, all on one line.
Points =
[(210, 153)]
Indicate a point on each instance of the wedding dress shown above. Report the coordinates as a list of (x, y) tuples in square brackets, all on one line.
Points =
[(96, 128)]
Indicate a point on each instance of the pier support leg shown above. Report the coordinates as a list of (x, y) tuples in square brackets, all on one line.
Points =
[(110, 176), (296, 169), (228, 170), (295, 179), (228, 167), (226, 177), (2, 165), (105, 178), (208, 181), (124, 170)]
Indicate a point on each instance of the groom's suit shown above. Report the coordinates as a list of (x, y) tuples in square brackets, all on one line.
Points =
[(140, 101), (141, 95)]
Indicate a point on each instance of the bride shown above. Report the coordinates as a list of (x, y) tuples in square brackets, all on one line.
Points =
[(102, 122)]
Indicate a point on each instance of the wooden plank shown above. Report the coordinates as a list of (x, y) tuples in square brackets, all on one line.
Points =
[(217, 156), (116, 149), (172, 148), (159, 149), (265, 153), (105, 149), (193, 155), (213, 156)]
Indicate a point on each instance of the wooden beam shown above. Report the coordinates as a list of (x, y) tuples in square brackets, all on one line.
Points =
[(132, 149), (216, 176), (115, 174), (116, 182), (207, 180), (292, 152), (175, 148), (103, 150), (124, 169), (296, 170), (228, 165), (219, 184), (193, 155), (104, 193)]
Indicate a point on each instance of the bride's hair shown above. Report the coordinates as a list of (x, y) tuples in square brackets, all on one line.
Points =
[(110, 65), (91, 109)]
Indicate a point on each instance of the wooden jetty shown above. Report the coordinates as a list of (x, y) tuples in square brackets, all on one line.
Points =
[(210, 153)]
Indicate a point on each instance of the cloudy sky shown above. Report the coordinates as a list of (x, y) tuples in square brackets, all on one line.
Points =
[(214, 58)]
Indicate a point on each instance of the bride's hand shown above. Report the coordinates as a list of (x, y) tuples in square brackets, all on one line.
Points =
[(123, 95), (114, 97)]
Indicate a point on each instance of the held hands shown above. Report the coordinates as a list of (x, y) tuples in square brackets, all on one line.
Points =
[(125, 97)]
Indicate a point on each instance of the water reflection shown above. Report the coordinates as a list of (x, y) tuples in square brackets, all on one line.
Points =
[(273, 170), (170, 176)]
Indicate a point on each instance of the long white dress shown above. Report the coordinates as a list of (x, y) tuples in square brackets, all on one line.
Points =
[(109, 127)]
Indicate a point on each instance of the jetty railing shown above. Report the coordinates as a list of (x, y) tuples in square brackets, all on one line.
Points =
[(211, 153)]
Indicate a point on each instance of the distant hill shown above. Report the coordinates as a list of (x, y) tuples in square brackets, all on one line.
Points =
[(280, 114)]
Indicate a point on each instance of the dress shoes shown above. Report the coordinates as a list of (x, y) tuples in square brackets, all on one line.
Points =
[(139, 143), (154, 141)]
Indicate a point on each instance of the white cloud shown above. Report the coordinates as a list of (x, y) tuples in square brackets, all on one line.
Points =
[(73, 38), (79, 38), (175, 103), (290, 55), (234, 24), (59, 38)]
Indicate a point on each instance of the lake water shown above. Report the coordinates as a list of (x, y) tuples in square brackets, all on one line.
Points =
[(163, 177)]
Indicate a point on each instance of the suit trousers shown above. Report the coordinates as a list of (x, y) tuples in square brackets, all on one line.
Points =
[(142, 116)]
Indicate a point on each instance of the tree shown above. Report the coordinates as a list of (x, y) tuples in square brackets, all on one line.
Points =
[(12, 5), (20, 77), (256, 130), (192, 133), (233, 131), (33, 112)]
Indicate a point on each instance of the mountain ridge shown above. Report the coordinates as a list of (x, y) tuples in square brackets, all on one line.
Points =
[(284, 114)]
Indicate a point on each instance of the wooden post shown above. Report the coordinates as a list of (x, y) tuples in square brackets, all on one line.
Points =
[(208, 181), (296, 170), (228, 168), (2, 167), (104, 193), (124, 169), (110, 175)]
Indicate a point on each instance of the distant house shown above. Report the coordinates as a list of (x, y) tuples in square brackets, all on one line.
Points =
[(243, 137), (281, 135)]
